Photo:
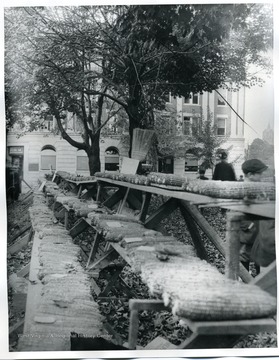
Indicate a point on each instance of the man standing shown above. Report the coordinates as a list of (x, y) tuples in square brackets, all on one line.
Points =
[(223, 170), (257, 238)]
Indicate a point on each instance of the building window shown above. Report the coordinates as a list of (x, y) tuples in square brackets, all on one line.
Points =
[(82, 161), (220, 99), (111, 159), (48, 123), (193, 99), (190, 123), (221, 126), (48, 158), (168, 98), (191, 163), (186, 125)]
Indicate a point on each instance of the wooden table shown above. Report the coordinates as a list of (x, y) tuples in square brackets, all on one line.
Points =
[(77, 186), (188, 204)]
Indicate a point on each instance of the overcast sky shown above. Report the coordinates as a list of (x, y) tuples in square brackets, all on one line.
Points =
[(259, 111)]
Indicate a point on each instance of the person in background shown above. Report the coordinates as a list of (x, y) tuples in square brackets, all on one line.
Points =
[(201, 174), (241, 178), (257, 238), (223, 170)]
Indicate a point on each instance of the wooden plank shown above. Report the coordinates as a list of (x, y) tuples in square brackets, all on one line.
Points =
[(106, 256), (19, 244), (196, 341), (159, 343), (27, 185), (155, 190), (134, 200), (41, 188), (111, 331), (34, 287), (267, 279), (266, 209), (94, 249), (194, 232), (78, 228), (121, 251), (145, 206), (112, 282), (232, 327), (164, 210), (95, 287), (147, 304), (115, 198), (54, 176), (20, 232), (133, 329), (232, 260), (213, 236), (24, 271), (123, 202), (15, 330)]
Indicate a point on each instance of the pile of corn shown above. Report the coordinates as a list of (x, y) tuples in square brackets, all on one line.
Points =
[(159, 252), (197, 291), (115, 227), (63, 301), (167, 179), (131, 178), (232, 189), (74, 177), (52, 189)]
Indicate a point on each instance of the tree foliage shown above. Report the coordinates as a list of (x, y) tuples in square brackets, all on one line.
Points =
[(206, 142), (85, 59)]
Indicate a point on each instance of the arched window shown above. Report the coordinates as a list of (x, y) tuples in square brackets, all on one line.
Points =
[(48, 157), (82, 161), (111, 159)]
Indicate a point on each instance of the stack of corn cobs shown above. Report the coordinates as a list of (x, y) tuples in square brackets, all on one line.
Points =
[(213, 188)]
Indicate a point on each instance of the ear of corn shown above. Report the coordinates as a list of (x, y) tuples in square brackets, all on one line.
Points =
[(166, 179), (232, 189), (197, 291)]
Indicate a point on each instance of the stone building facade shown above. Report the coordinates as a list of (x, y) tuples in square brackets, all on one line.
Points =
[(40, 151)]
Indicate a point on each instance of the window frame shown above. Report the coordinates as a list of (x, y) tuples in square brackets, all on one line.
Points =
[(192, 117), (191, 102), (224, 118), (219, 98)]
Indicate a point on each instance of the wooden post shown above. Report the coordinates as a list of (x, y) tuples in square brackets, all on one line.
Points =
[(233, 244), (94, 248), (133, 329), (194, 232), (161, 213), (122, 203), (145, 205), (213, 236), (66, 219)]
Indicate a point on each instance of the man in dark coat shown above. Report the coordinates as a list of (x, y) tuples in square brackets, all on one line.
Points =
[(223, 170), (257, 238)]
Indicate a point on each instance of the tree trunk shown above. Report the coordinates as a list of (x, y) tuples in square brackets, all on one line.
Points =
[(94, 155)]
